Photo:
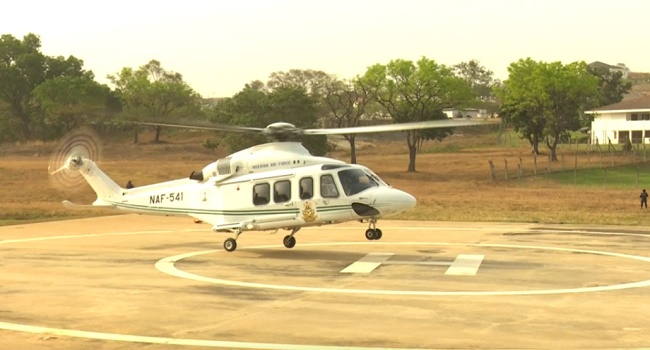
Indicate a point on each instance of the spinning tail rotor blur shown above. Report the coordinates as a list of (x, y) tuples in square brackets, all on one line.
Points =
[(71, 150)]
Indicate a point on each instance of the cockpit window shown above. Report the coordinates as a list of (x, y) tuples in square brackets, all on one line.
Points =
[(376, 177), (355, 181)]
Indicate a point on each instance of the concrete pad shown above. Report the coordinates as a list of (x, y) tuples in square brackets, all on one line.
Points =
[(132, 281)]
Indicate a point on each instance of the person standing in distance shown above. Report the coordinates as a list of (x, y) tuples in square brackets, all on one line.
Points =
[(644, 199)]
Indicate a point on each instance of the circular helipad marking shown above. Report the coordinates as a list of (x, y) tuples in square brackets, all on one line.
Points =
[(250, 345), (167, 265), (176, 341), (156, 340)]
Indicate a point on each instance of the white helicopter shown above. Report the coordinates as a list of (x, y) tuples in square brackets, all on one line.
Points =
[(276, 185)]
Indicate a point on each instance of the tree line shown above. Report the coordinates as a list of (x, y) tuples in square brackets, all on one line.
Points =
[(42, 97)]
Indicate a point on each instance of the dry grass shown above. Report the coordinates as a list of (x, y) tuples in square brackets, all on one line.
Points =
[(450, 186)]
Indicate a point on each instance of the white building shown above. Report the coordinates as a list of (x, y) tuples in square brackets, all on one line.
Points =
[(620, 67), (465, 113), (621, 121)]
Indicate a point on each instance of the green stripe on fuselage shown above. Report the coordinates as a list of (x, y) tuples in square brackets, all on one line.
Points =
[(243, 212)]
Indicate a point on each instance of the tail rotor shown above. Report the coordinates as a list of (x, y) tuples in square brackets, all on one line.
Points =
[(69, 154)]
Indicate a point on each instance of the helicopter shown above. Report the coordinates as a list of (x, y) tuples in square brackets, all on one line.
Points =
[(277, 185)]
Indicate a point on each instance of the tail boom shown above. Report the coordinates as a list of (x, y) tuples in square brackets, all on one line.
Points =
[(105, 188)]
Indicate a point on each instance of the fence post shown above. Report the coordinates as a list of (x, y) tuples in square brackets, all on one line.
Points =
[(521, 166), (575, 168), (601, 156), (506, 161), (493, 176), (610, 147)]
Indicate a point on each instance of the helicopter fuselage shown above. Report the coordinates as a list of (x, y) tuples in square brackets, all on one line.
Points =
[(284, 198), (268, 187)]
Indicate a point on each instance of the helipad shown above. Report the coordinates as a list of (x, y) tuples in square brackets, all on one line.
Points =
[(164, 282)]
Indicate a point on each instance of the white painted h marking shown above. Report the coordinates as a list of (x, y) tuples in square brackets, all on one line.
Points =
[(368, 263), (465, 265)]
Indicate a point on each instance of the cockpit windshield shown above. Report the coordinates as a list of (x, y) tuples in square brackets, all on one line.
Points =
[(375, 177), (355, 181)]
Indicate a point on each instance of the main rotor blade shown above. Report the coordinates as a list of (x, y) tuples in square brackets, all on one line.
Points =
[(215, 127), (432, 124)]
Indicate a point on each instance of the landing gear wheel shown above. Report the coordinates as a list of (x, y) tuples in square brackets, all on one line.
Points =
[(230, 244), (289, 241), (378, 234), (371, 234)]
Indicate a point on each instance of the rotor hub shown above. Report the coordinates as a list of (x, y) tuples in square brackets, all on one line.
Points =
[(282, 130), (75, 161)]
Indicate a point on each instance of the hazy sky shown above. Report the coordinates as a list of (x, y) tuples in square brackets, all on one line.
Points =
[(218, 46)]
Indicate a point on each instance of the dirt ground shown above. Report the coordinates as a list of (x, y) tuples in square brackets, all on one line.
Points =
[(452, 182)]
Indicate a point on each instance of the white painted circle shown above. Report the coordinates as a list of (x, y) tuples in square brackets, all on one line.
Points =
[(252, 345), (168, 341), (167, 265)]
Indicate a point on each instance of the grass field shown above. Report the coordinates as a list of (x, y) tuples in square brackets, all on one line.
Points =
[(452, 183)]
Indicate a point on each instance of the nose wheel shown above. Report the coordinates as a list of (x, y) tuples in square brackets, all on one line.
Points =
[(373, 233)]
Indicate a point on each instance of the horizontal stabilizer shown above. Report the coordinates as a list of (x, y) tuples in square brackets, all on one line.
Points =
[(71, 205)]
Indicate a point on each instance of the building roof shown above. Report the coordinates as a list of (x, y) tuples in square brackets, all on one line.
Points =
[(641, 104), (598, 64)]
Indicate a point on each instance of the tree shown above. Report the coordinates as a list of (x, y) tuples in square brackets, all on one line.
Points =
[(22, 68), (482, 82), (569, 88), (346, 102), (552, 95), (256, 107), (69, 102), (520, 107), (246, 108), (293, 105), (611, 84), (154, 94), (416, 92), (312, 81), (479, 78)]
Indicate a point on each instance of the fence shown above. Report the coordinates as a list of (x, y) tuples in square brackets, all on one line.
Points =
[(571, 157)]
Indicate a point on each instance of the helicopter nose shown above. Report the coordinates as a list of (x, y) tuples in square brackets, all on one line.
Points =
[(391, 201), (402, 201), (383, 201)]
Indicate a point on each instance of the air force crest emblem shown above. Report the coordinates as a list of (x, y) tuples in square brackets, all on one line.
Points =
[(308, 212)]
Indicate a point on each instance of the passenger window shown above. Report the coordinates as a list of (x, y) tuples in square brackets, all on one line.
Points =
[(306, 188), (328, 187), (282, 191), (261, 194)]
